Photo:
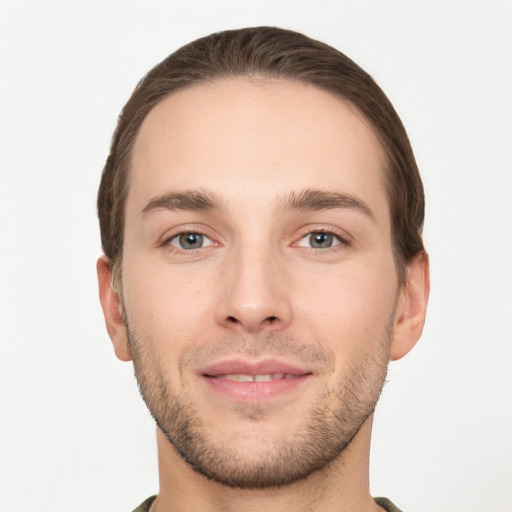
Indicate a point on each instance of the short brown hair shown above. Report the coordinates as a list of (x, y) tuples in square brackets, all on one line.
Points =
[(274, 53)]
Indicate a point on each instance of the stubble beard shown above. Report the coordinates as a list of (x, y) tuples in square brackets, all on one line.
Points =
[(333, 420)]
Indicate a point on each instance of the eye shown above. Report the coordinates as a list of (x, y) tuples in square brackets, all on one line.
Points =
[(189, 241), (319, 240)]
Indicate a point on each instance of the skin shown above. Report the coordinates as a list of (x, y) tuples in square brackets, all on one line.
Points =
[(257, 289)]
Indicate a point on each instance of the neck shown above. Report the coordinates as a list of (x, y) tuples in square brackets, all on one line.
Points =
[(341, 487)]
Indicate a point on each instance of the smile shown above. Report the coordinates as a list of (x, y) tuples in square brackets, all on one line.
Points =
[(248, 381), (265, 377)]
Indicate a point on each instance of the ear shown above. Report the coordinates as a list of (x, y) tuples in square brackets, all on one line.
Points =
[(112, 310), (411, 307)]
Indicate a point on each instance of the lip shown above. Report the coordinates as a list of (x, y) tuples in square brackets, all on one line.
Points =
[(265, 366), (214, 376)]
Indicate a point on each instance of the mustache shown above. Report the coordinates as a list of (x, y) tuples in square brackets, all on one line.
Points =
[(268, 345)]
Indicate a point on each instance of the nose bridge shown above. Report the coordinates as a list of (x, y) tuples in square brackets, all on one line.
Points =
[(254, 295)]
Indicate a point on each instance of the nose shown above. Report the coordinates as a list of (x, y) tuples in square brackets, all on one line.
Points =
[(254, 297)]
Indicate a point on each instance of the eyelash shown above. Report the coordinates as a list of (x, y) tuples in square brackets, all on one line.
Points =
[(167, 241), (342, 240)]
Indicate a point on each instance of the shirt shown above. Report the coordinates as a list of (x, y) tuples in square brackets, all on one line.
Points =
[(386, 504)]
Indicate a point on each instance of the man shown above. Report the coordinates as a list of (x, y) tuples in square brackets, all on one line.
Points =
[(261, 216)]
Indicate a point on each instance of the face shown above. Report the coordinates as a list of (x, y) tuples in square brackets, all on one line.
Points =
[(258, 286)]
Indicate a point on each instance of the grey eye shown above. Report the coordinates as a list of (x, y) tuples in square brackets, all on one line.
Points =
[(319, 240), (190, 241)]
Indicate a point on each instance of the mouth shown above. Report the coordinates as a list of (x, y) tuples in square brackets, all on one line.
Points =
[(261, 377), (245, 381)]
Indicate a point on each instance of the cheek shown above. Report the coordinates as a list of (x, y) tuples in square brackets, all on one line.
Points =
[(162, 304), (351, 309)]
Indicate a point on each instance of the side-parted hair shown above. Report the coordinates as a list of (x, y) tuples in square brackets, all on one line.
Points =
[(277, 54)]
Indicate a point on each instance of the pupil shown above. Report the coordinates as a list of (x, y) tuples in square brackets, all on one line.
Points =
[(322, 240), (191, 240)]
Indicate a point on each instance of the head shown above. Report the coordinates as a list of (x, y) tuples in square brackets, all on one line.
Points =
[(274, 53), (261, 215)]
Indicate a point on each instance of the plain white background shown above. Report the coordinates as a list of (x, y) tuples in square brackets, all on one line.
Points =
[(74, 434)]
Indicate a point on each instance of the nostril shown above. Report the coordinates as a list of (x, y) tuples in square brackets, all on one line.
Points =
[(251, 323)]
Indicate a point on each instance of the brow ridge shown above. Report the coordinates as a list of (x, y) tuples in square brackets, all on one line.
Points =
[(312, 199), (187, 200), (308, 199)]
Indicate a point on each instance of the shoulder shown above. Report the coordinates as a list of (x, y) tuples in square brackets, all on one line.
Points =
[(144, 507), (387, 505)]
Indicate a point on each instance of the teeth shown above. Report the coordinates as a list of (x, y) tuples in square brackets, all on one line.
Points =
[(262, 378), (240, 377)]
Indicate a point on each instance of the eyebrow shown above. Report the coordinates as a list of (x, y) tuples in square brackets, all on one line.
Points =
[(307, 200), (311, 199), (197, 200)]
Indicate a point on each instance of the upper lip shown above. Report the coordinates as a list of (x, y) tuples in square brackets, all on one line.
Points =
[(244, 367)]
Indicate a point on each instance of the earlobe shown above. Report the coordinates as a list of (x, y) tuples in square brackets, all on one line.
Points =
[(111, 310), (411, 307)]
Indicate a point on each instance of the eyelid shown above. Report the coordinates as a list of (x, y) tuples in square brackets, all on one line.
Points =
[(336, 240), (342, 236), (177, 236), (177, 231)]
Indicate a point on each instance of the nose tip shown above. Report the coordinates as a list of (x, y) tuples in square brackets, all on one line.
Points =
[(253, 298)]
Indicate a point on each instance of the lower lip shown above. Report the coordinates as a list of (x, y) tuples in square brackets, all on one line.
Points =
[(254, 391)]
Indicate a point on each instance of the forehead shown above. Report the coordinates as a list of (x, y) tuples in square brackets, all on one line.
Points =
[(257, 137)]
